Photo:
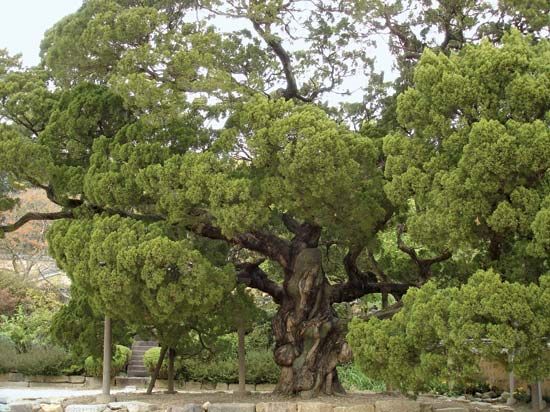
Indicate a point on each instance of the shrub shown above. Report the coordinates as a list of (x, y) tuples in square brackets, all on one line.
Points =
[(150, 359), (352, 379), (261, 367), (94, 366), (42, 360), (7, 354)]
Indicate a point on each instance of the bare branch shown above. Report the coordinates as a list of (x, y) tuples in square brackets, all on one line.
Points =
[(29, 217)]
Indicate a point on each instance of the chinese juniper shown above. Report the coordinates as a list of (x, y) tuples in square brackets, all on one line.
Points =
[(186, 157)]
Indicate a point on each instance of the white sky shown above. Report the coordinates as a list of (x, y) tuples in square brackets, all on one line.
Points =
[(23, 23)]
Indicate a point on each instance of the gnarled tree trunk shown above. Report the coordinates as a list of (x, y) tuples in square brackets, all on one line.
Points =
[(308, 334)]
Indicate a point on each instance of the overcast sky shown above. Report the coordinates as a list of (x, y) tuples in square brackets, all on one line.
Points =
[(23, 23)]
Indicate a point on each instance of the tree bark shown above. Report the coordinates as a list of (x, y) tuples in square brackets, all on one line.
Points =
[(242, 360), (156, 371), (309, 338), (171, 359), (107, 342)]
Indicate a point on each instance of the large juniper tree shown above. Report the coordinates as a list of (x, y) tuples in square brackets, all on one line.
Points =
[(142, 115)]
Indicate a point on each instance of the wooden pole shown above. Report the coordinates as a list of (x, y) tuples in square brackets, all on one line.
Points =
[(107, 355)]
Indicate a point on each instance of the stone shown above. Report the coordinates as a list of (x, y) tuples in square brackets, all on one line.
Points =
[(16, 377), (206, 405), (208, 386), (77, 379), (314, 407), (132, 406), (369, 407), (20, 406), (190, 407), (192, 386), (235, 387), (401, 405), (222, 386), (51, 407), (488, 395), (35, 379), (265, 387), (92, 382), (276, 407), (57, 379), (452, 409), (502, 408), (232, 407), (3, 401), (85, 408), (4, 377)]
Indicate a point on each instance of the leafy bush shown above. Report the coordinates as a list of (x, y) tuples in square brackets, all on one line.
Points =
[(7, 355), (353, 379), (42, 360), (94, 366), (150, 359)]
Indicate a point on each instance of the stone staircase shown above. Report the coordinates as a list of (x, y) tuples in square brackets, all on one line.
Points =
[(135, 366)]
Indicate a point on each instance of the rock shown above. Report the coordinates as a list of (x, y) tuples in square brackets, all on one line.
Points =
[(192, 386), (232, 407), (20, 406), (221, 386), (276, 407), (56, 379), (397, 405), (3, 401), (93, 382), (314, 407), (206, 405), (355, 408), (265, 387), (132, 406), (51, 407), (85, 408), (190, 407), (16, 377), (488, 395), (77, 379), (235, 387)]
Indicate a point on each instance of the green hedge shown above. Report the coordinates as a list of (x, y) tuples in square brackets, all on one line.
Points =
[(38, 360), (260, 367), (94, 366)]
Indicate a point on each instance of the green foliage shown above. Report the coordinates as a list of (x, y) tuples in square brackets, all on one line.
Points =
[(444, 333), (37, 360), (119, 362), (352, 379), (27, 329), (42, 360), (222, 366)]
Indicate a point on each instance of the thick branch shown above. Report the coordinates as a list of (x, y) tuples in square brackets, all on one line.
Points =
[(350, 291), (252, 276), (29, 217), (277, 47), (267, 244)]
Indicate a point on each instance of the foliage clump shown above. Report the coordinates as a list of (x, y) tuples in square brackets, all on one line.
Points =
[(444, 332)]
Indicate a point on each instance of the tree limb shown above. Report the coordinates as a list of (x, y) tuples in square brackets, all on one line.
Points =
[(424, 265), (252, 276), (29, 217), (350, 291)]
